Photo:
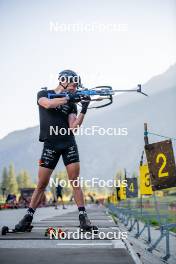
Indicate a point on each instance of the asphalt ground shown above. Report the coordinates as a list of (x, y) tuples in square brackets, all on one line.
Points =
[(34, 247)]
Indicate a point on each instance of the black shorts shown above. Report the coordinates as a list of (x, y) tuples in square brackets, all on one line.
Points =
[(52, 152), (59, 195)]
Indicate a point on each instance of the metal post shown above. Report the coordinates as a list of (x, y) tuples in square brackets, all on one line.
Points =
[(145, 134), (127, 200), (154, 196), (141, 163)]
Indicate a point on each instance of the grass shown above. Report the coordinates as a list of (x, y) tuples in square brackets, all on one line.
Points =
[(163, 202), (171, 217)]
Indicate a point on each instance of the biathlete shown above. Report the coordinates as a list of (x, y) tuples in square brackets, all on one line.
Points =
[(60, 112), (57, 195)]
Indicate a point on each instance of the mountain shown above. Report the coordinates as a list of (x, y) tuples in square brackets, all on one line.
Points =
[(101, 156)]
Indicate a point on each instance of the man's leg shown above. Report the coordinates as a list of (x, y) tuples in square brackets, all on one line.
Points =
[(43, 180), (71, 160), (62, 202), (73, 170), (47, 163), (55, 200)]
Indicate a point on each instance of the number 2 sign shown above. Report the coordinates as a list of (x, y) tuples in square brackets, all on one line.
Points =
[(161, 164)]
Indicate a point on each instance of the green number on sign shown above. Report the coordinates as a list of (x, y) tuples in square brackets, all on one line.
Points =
[(163, 157)]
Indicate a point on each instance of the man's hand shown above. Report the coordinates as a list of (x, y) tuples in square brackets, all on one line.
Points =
[(85, 103)]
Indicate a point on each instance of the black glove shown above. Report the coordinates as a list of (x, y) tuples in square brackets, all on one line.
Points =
[(85, 103)]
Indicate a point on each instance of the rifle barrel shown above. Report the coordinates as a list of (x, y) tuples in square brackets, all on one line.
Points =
[(133, 90)]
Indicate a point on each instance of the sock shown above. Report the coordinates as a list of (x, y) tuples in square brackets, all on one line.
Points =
[(82, 210), (30, 211)]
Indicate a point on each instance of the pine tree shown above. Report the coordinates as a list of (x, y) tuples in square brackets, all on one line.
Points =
[(12, 182), (4, 183), (20, 180), (27, 180), (24, 180)]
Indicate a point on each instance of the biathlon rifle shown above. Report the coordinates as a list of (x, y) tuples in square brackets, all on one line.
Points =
[(103, 93)]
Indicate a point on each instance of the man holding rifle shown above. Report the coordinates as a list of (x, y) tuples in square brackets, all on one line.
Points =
[(61, 112)]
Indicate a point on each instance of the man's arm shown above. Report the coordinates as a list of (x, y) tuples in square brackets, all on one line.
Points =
[(74, 121), (51, 103)]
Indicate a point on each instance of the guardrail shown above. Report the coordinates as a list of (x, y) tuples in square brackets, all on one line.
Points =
[(132, 218)]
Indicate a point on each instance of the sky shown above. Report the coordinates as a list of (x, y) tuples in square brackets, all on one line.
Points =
[(108, 42)]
